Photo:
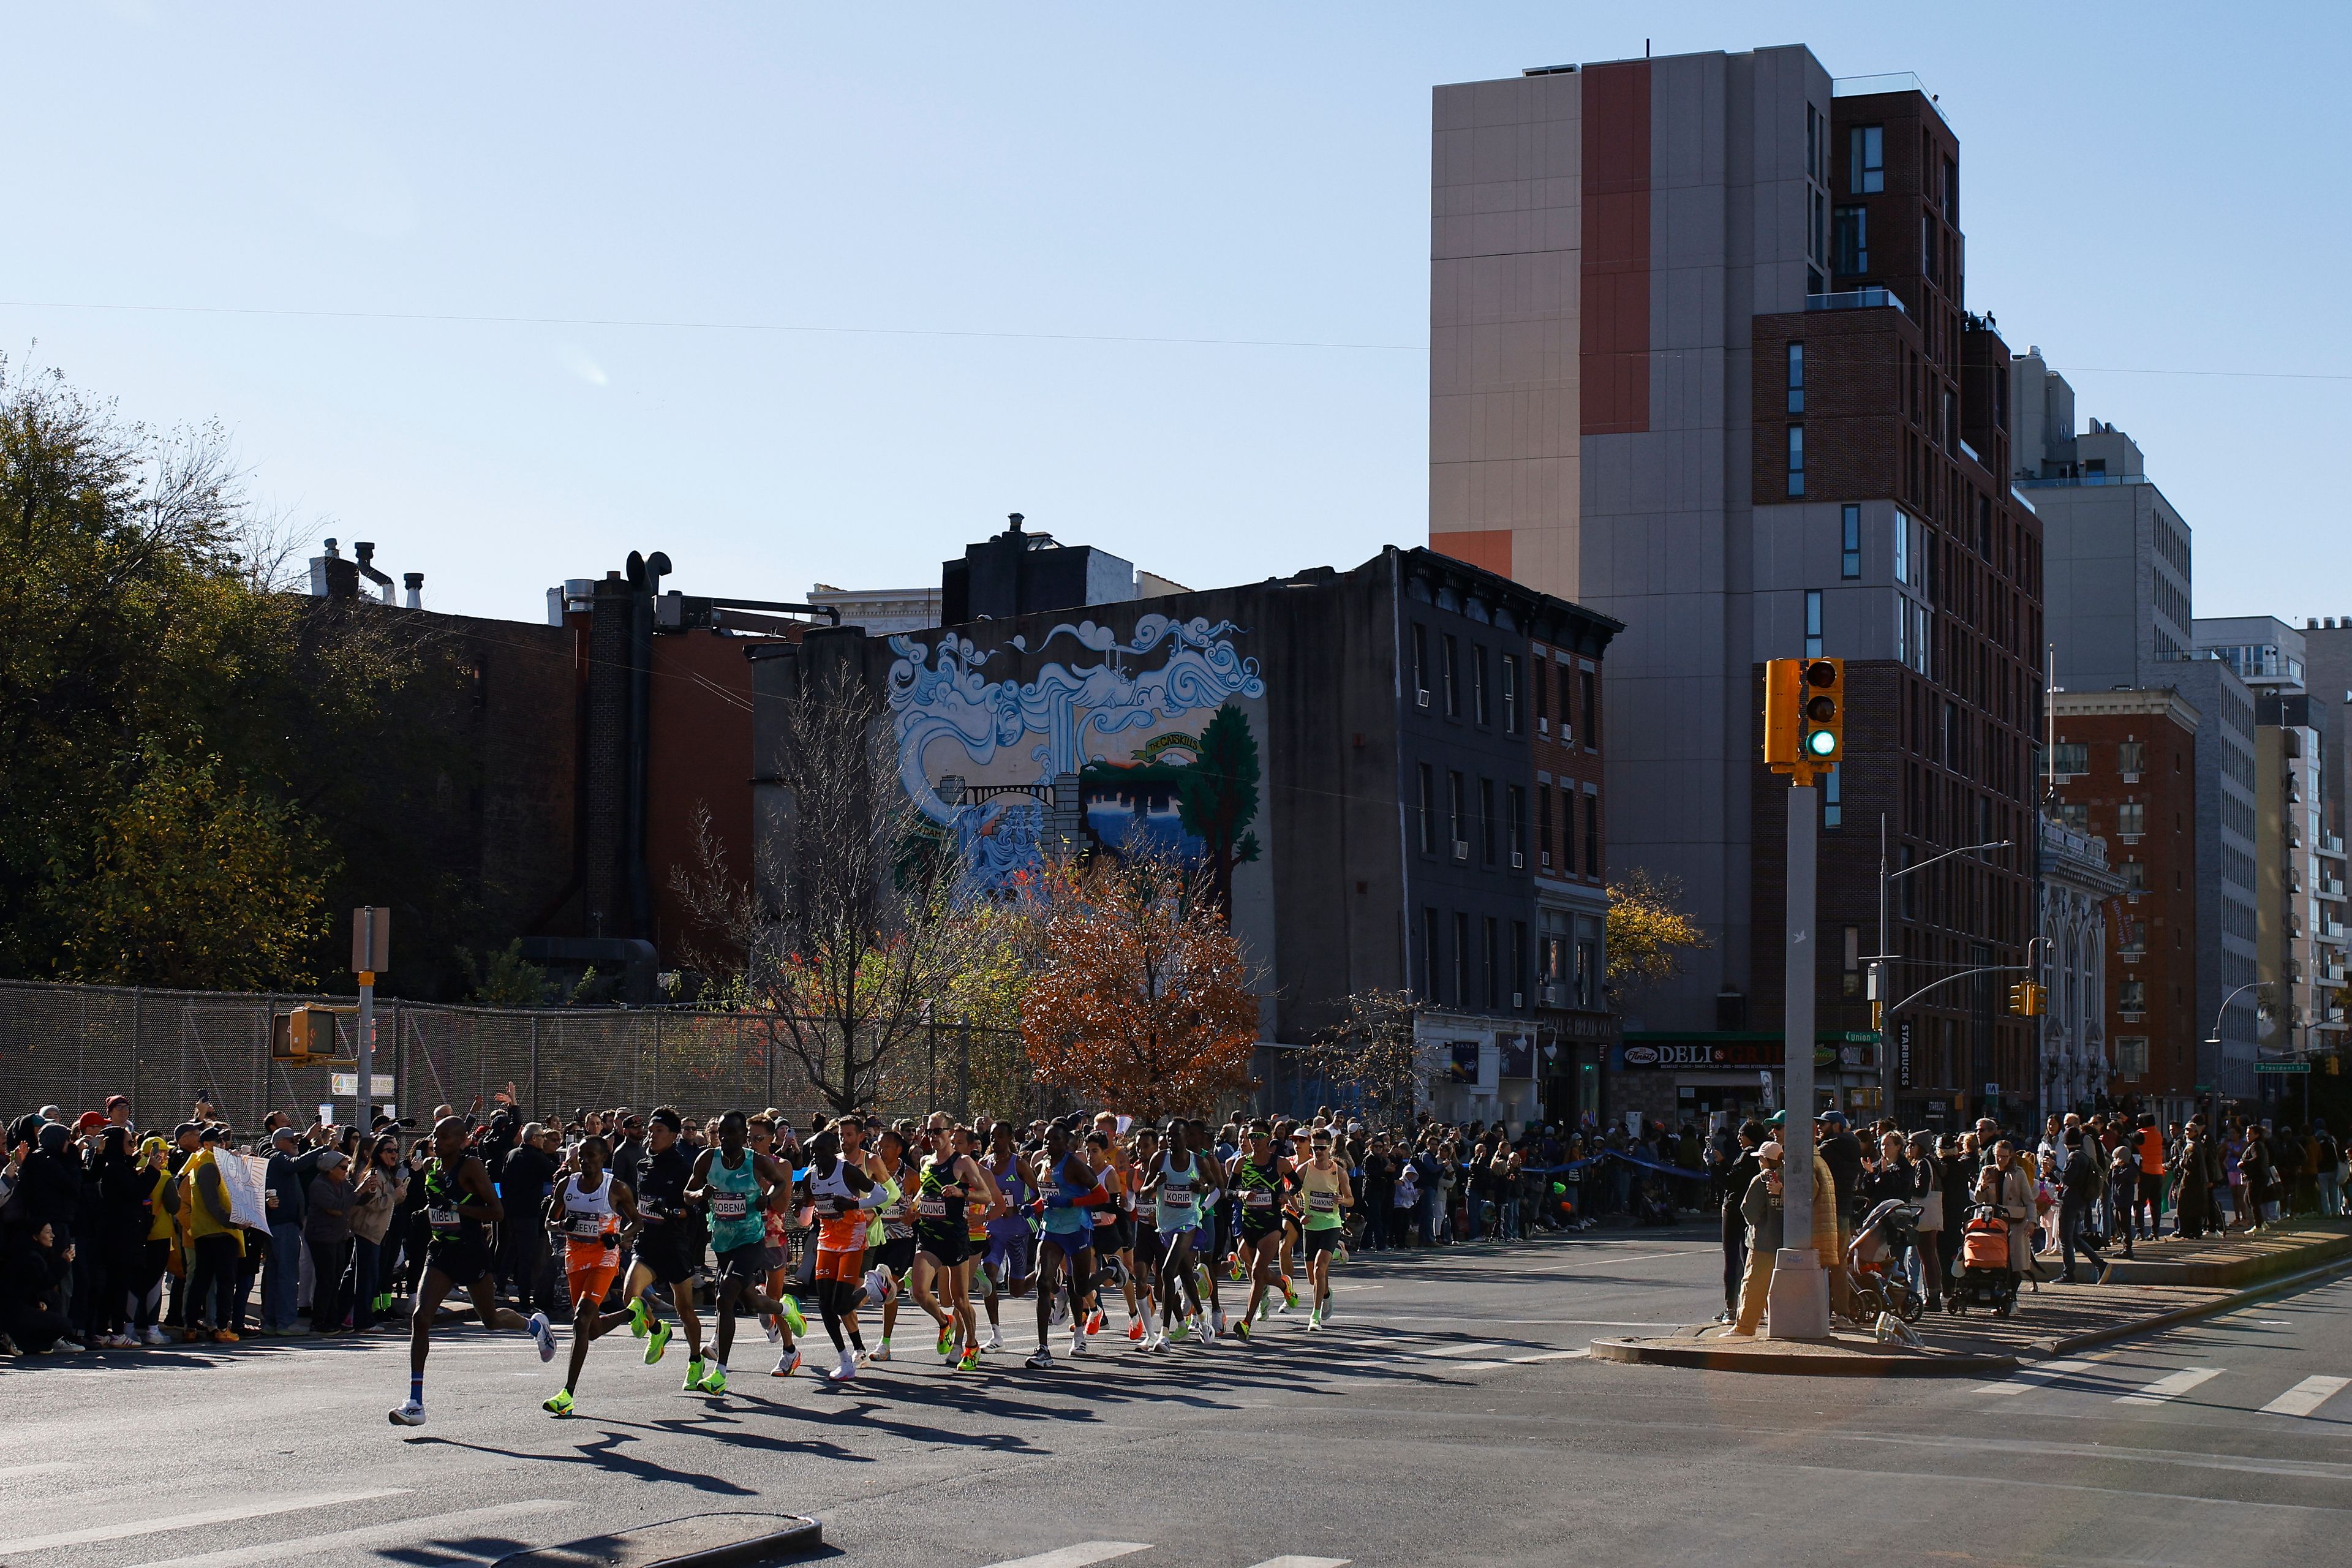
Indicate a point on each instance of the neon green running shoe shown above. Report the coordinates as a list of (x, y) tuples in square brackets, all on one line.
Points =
[(1180, 1329), (557, 1404), (658, 1340), (641, 1322), (1241, 1331), (795, 1319), (693, 1384), (970, 1362), (714, 1380), (947, 1342)]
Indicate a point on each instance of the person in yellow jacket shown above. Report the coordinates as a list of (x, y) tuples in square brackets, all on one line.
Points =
[(162, 1239), (214, 1241)]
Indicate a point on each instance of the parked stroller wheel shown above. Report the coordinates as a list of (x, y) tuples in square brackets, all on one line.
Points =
[(1913, 1306)]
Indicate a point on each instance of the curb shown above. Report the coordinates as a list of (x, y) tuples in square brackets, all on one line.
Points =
[(650, 1546), (1864, 1364)]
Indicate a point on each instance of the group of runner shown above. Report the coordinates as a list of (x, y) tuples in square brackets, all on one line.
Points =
[(958, 1218)]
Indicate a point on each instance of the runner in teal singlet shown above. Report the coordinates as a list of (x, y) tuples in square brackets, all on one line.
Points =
[(737, 1183)]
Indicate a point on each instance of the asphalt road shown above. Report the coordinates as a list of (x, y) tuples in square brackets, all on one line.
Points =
[(1445, 1416)]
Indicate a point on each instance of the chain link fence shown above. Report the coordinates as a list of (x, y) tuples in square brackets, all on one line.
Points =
[(73, 1046)]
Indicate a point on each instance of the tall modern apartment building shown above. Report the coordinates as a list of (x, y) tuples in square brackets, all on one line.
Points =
[(1701, 360)]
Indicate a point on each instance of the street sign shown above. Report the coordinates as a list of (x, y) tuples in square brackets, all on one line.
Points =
[(346, 1085), (371, 941), (2282, 1066)]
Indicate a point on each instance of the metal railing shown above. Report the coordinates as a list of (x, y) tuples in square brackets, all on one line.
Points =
[(1871, 299)]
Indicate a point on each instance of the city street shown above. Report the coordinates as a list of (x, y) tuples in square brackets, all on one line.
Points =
[(1447, 1415)]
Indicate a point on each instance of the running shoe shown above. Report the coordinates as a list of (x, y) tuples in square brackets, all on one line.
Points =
[(881, 1285), (1095, 1321), (947, 1342), (1041, 1358), (1217, 1322), (541, 1332), (410, 1414), (1135, 1329), (1240, 1273), (1326, 1309), (1289, 1292), (641, 1320), (881, 1352), (714, 1380), (693, 1384), (1180, 1330), (774, 1330), (1241, 1331), (995, 1341), (557, 1404), (1315, 1319), (657, 1341), (795, 1319), (847, 1370), (156, 1336), (1061, 1309), (787, 1364), (1201, 1277), (970, 1362), (1077, 1344)]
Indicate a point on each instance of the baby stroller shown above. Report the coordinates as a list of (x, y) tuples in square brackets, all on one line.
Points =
[(1986, 1279), (1880, 1288)]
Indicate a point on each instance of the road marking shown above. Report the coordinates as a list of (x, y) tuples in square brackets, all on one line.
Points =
[(1078, 1556), (1478, 1349), (2164, 1389), (372, 1536), (2035, 1376), (2306, 1397), (1304, 1563), (1553, 1355), (124, 1530), (50, 1468)]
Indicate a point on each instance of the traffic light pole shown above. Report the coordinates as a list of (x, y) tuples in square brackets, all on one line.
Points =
[(365, 1119), (1798, 1301)]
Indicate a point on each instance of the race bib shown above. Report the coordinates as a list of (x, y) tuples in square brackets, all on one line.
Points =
[(1176, 1200), (442, 1219), (1322, 1201), (932, 1208), (729, 1205), (588, 1227), (1257, 1200)]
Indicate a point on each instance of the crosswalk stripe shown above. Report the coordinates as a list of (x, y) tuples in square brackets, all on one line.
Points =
[(1304, 1563), (1078, 1556), (2035, 1376), (1461, 1349), (376, 1537), (2306, 1397), (2172, 1387), (125, 1528)]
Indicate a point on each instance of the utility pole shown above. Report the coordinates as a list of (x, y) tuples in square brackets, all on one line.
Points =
[(1798, 1302), (371, 951)]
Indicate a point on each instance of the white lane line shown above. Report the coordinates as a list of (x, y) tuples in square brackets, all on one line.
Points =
[(1482, 1348), (1553, 1355), (1304, 1563), (406, 1533), (125, 1528), (2034, 1376), (50, 1468), (2306, 1397), (2169, 1388), (1078, 1556)]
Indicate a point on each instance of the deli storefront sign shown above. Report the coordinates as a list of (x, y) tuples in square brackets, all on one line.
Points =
[(1701, 1054)]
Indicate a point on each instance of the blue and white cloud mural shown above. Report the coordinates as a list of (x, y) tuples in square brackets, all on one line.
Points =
[(1147, 736)]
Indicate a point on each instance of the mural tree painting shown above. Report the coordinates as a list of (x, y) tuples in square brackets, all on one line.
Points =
[(1217, 798), (1140, 995), (840, 945)]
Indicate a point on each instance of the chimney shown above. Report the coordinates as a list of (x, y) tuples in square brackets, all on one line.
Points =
[(332, 577), (365, 552), (415, 582)]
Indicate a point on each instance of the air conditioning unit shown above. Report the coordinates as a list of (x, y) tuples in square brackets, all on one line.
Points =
[(1547, 860), (1421, 699), (1555, 996), (1517, 1000), (1519, 861), (1461, 849), (1543, 725)]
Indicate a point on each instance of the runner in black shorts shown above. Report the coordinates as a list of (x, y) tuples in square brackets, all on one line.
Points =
[(458, 1203), (941, 1240), (897, 1250), (669, 1246), (736, 1185), (1258, 1178)]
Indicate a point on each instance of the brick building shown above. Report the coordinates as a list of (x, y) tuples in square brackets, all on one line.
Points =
[(2124, 768), (1701, 359)]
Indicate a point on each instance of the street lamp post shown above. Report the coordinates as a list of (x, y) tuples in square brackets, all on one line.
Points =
[(1879, 976), (2214, 1040)]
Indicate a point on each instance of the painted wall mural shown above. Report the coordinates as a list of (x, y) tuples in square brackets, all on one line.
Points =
[(1136, 742)]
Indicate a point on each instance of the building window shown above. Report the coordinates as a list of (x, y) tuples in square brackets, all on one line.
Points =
[(1479, 683), (1796, 378), (1518, 799), (2075, 817), (1420, 665), (2131, 1057), (1812, 623), (1486, 821), (1543, 826), (1796, 459), (1903, 550), (1538, 699), (1494, 957), (1592, 837), (2131, 995), (2131, 819), (2135, 877), (1567, 718), (1450, 659), (2072, 757), (1568, 833), (1510, 694), (1519, 963), (1589, 690), (1866, 159), (1428, 809), (1851, 248), (1951, 193), (1588, 963), (1833, 807), (1454, 804), (1429, 962), (1460, 959), (2132, 756), (1850, 542)]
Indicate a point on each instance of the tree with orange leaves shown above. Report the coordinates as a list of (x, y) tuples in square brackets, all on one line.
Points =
[(1140, 1000)]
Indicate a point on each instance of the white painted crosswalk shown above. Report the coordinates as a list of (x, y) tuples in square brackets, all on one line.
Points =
[(417, 1539), (2307, 1396), (2097, 1377), (1085, 1553), (2166, 1389), (129, 1529)]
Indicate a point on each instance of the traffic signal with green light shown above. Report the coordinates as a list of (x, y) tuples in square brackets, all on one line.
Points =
[(1822, 733)]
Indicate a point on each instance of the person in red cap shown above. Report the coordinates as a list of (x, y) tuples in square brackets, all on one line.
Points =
[(90, 1122)]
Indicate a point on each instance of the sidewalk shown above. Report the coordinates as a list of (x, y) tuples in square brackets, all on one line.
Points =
[(2184, 1279)]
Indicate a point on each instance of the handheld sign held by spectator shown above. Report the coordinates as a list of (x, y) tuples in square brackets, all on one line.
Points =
[(241, 1178)]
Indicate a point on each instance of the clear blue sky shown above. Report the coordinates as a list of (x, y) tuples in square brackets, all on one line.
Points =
[(2151, 188)]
